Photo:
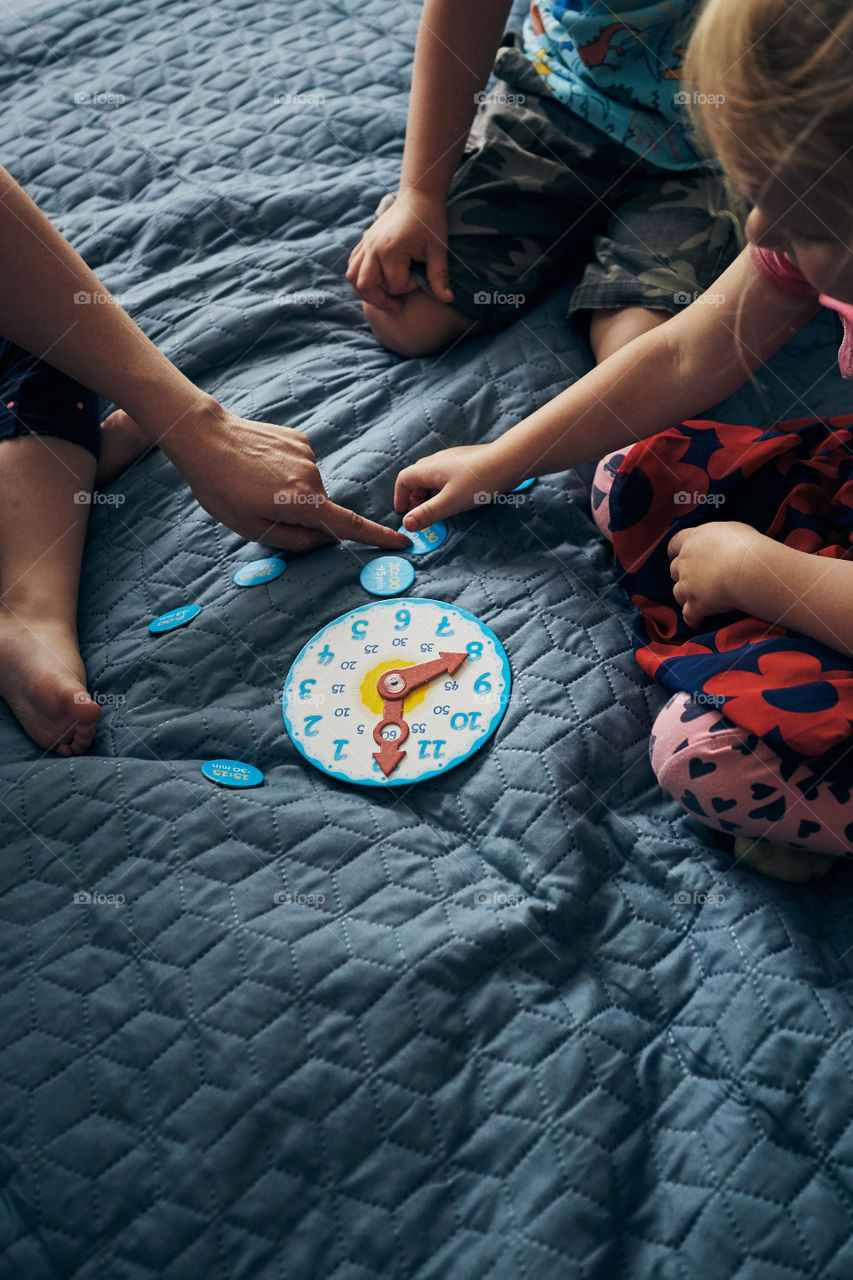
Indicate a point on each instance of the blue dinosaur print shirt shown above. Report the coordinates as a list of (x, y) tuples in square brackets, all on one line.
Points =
[(619, 69)]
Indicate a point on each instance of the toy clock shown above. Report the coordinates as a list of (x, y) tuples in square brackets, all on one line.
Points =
[(393, 693)]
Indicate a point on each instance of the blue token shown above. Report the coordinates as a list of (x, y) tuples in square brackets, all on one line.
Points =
[(232, 773), (258, 571), (387, 576), (525, 484), (174, 618), (426, 539)]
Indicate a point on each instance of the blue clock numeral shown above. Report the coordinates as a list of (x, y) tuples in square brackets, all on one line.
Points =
[(444, 628), (310, 721), (359, 629), (326, 657), (464, 719), (403, 618), (483, 684), (475, 650), (305, 688), (436, 744), (340, 743)]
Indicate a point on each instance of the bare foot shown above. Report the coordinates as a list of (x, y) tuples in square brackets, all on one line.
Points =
[(43, 680), (122, 444)]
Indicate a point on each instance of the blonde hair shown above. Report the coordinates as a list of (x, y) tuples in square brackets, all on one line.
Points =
[(774, 89)]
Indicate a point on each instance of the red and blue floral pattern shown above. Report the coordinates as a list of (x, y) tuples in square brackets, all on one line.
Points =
[(793, 482)]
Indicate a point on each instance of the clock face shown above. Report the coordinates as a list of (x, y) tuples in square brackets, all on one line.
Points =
[(338, 717)]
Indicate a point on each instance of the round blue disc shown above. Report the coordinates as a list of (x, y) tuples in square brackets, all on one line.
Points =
[(525, 484), (387, 576), (232, 773), (174, 618), (426, 539), (258, 571)]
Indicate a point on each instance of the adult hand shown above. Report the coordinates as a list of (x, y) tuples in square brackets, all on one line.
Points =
[(263, 482)]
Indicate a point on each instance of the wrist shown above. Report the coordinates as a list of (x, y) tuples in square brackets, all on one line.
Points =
[(507, 463), (432, 191), (755, 574), (180, 424)]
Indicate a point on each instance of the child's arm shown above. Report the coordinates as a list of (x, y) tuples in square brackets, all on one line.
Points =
[(259, 479), (728, 565), (670, 374), (455, 50)]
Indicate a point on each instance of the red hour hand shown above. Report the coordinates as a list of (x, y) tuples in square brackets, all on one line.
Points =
[(400, 681)]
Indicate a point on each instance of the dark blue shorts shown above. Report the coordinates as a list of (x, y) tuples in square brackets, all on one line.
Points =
[(36, 399)]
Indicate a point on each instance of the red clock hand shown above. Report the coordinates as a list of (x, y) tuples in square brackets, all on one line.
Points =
[(400, 681), (392, 687), (389, 754)]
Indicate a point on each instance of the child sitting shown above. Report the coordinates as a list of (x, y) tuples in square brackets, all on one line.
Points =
[(734, 542), (581, 158)]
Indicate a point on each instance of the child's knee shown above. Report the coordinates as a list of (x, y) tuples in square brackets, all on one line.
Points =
[(422, 327), (688, 746)]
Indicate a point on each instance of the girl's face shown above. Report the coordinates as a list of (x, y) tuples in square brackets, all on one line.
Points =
[(813, 230)]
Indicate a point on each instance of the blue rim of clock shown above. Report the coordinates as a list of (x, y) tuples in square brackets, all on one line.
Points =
[(396, 603)]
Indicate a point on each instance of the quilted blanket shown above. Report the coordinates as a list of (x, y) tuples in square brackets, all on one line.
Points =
[(523, 1020)]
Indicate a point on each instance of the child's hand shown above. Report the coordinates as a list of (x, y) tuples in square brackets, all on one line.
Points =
[(414, 229), (451, 481), (706, 567)]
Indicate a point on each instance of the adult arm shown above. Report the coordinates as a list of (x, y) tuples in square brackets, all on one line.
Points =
[(258, 478)]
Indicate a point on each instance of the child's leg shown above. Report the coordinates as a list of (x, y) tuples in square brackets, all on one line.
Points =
[(42, 529), (669, 238), (730, 780), (49, 441), (612, 328), (526, 198), (122, 444), (422, 327)]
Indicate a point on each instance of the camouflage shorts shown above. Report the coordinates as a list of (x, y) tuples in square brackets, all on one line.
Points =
[(540, 196)]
